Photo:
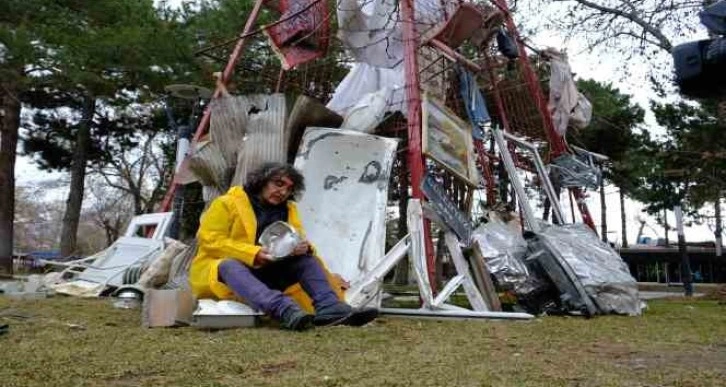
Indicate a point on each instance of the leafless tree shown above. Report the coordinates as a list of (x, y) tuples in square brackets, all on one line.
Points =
[(140, 173), (631, 31), (37, 217), (109, 208)]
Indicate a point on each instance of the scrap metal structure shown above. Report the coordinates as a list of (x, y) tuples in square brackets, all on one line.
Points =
[(417, 71)]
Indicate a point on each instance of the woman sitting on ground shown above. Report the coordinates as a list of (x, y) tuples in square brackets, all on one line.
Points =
[(231, 263)]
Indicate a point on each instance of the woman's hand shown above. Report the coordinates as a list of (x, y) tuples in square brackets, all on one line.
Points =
[(344, 284), (263, 257), (302, 248)]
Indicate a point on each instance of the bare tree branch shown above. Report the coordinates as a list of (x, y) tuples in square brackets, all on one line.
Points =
[(634, 16)]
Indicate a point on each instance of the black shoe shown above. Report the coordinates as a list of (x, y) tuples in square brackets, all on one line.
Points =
[(344, 314), (296, 320), (332, 315), (361, 316)]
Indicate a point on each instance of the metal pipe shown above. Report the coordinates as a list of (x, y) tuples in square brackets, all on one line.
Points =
[(486, 169), (454, 56), (544, 177), (454, 314), (557, 143), (448, 290), (223, 81), (506, 158), (366, 288)]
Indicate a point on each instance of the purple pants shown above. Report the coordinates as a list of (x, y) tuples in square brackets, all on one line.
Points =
[(262, 287)]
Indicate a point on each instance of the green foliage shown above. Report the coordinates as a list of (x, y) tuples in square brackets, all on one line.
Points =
[(614, 117), (120, 54), (697, 146), (612, 133)]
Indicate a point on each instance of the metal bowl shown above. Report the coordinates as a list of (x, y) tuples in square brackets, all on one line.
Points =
[(280, 239)]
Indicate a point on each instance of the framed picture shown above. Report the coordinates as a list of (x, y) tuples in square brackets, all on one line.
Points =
[(447, 140)]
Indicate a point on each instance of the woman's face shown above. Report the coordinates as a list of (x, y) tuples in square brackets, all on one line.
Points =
[(277, 190)]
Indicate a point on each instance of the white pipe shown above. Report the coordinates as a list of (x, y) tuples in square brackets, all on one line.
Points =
[(514, 179), (454, 314), (366, 288), (544, 177)]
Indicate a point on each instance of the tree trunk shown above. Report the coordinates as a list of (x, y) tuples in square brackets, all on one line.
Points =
[(719, 228), (623, 220), (665, 226), (78, 177), (603, 210), (9, 124)]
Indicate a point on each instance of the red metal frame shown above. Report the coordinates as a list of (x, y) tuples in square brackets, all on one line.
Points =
[(557, 142), (413, 96), (486, 169)]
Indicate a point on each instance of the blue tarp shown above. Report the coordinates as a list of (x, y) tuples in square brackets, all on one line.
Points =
[(52, 255)]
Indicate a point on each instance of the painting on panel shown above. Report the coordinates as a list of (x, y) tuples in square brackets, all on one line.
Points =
[(447, 140)]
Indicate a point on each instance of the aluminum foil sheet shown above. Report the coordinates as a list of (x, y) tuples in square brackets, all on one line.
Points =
[(571, 171), (604, 275), (503, 248)]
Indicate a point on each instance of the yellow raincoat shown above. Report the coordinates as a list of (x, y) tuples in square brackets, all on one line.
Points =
[(227, 230)]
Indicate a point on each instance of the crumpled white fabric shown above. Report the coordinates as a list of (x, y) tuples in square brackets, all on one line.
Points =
[(371, 30), (368, 112), (563, 92), (582, 113), (364, 79)]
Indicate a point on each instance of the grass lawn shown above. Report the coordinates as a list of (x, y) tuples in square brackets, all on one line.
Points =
[(69, 341)]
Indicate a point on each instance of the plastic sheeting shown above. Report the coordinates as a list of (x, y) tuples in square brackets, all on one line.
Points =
[(503, 248), (604, 275), (368, 112)]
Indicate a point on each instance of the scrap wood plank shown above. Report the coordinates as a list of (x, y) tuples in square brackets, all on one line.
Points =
[(483, 279)]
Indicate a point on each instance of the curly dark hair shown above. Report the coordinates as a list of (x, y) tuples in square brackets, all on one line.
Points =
[(258, 178)]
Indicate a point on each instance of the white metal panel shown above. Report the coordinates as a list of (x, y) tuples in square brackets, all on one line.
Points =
[(344, 206), (161, 221), (108, 268)]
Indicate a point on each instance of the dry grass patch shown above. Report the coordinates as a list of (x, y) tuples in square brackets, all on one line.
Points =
[(68, 341)]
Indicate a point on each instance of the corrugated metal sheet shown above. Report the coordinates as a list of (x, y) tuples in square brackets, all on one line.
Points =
[(265, 138), (210, 166), (228, 124)]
